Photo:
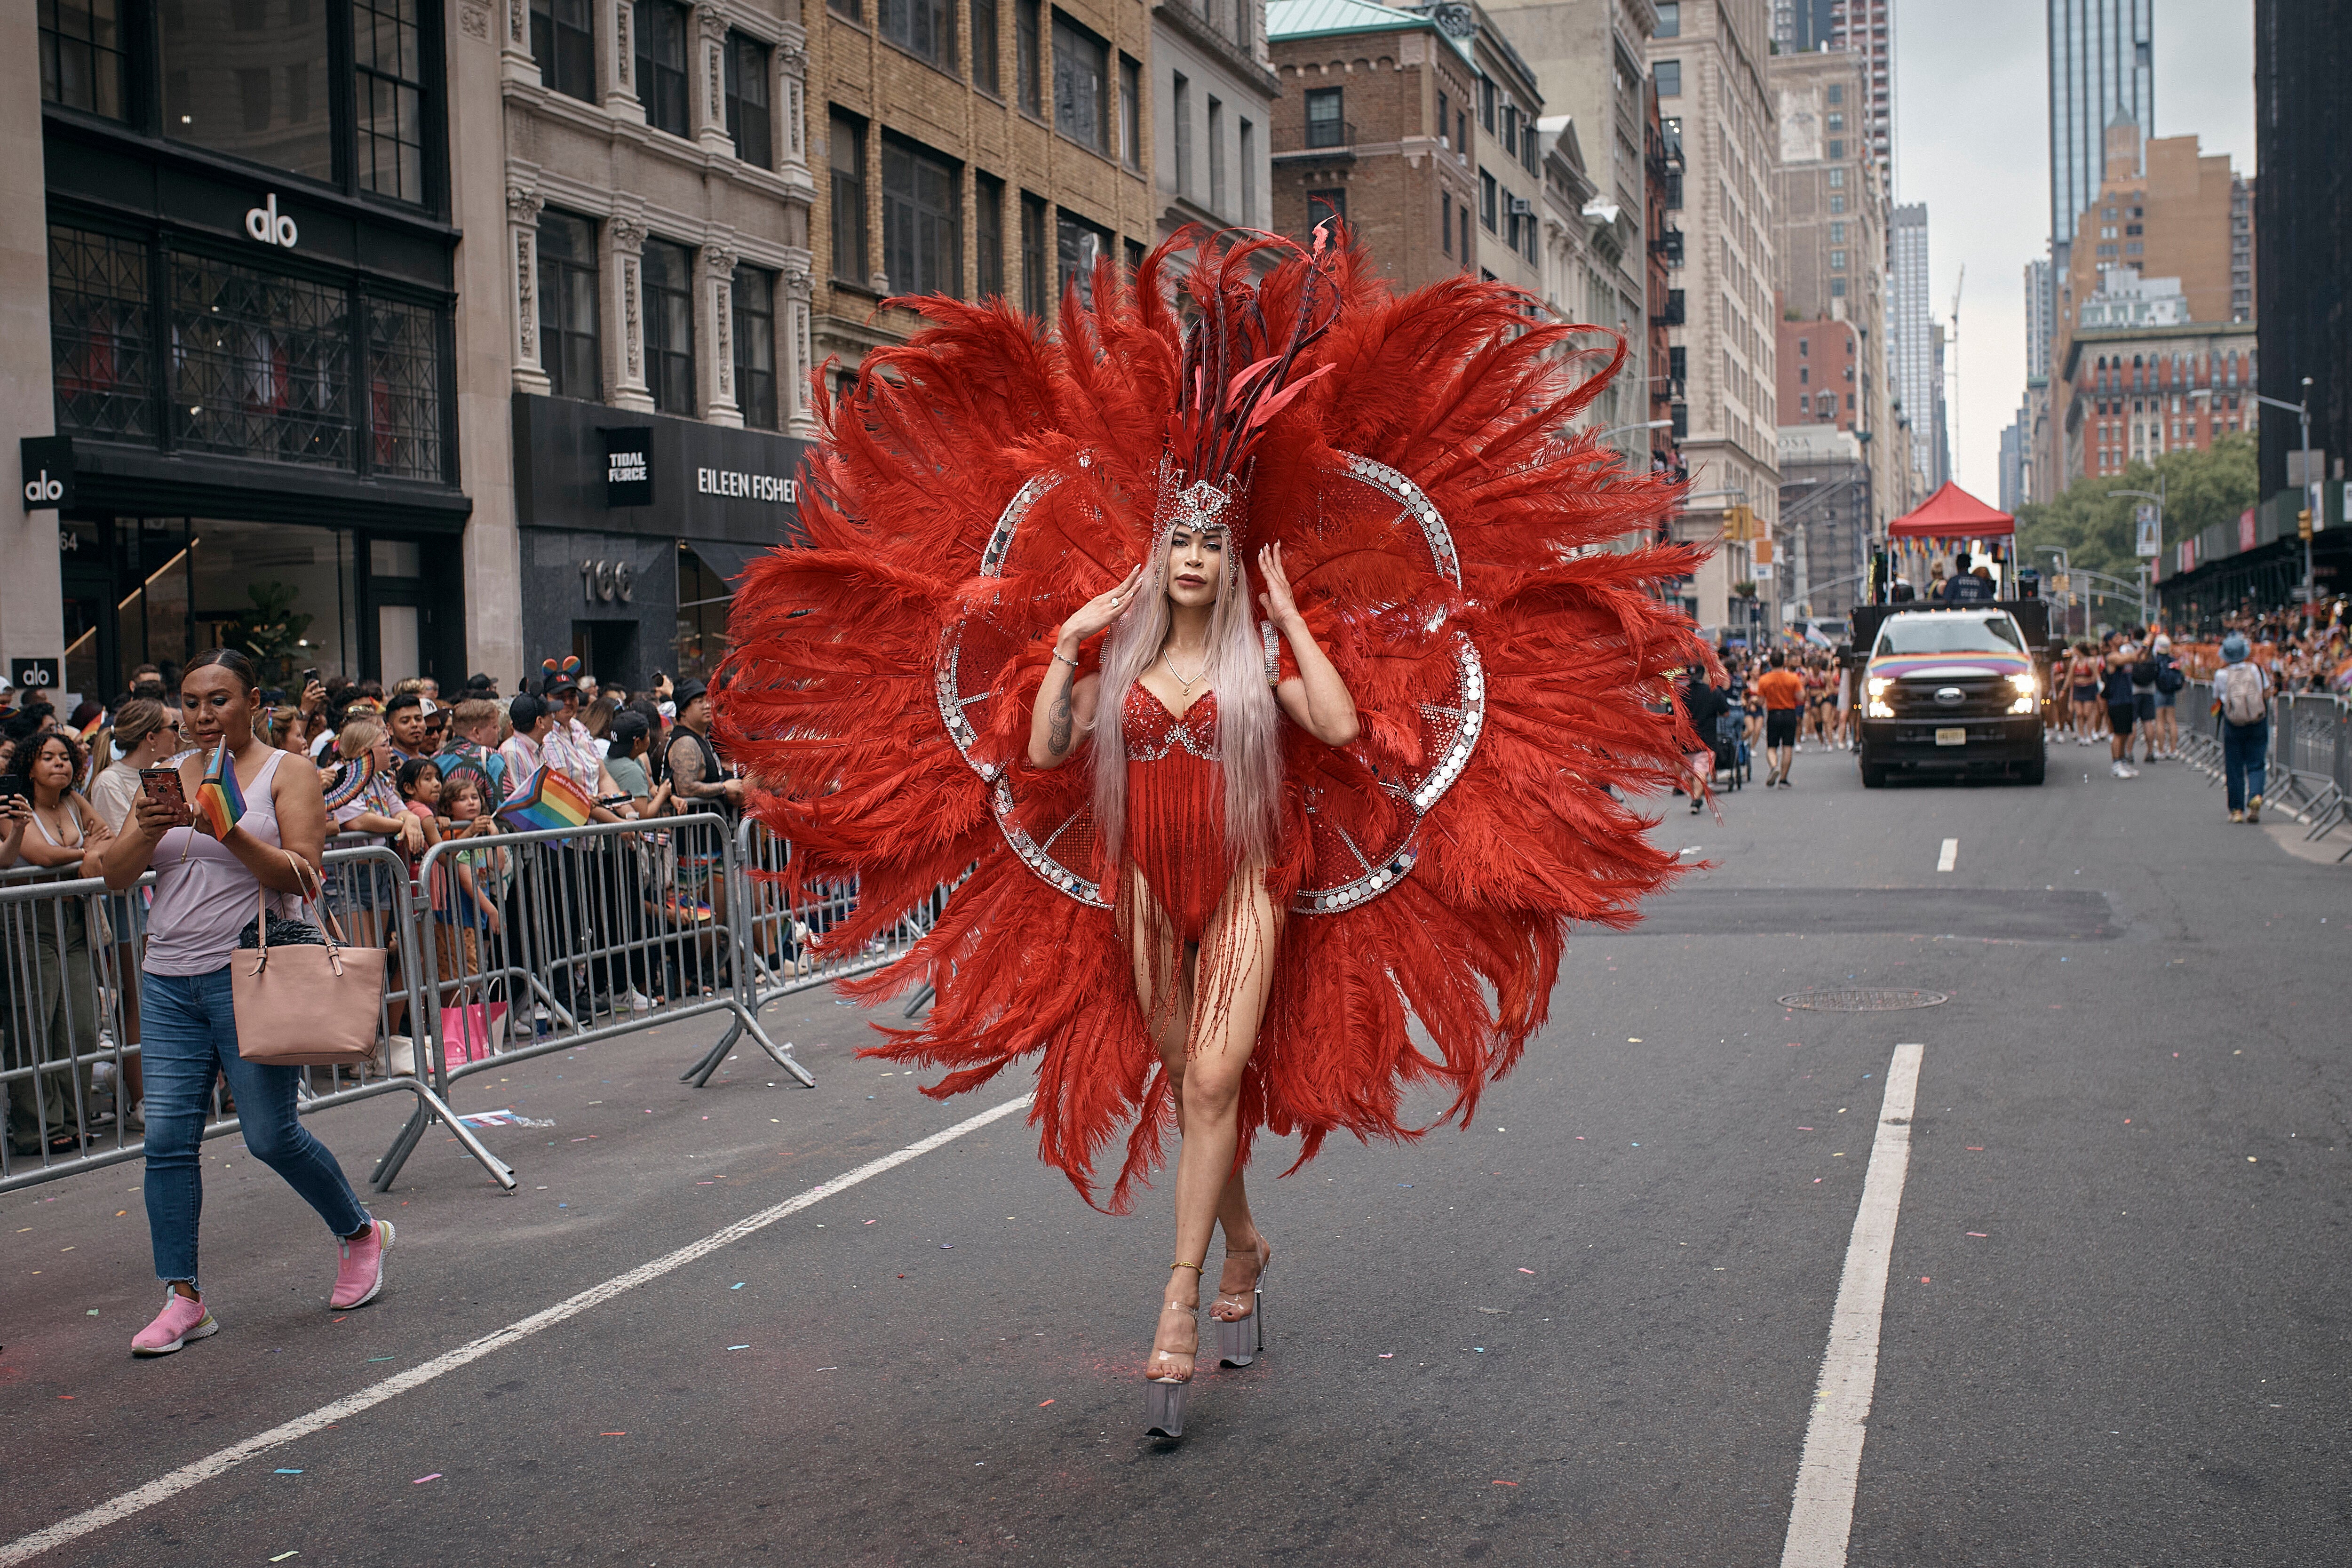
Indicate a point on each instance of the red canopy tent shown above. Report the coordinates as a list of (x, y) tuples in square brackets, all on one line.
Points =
[(1952, 513)]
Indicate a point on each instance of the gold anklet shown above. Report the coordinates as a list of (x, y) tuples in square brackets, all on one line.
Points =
[(1195, 1267)]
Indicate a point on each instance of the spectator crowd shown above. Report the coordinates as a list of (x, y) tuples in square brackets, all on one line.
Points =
[(407, 768)]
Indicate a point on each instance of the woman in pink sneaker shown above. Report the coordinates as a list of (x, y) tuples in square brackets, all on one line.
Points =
[(207, 889)]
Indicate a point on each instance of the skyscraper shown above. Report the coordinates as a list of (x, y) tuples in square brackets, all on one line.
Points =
[(2102, 56), (1800, 26), (1912, 345), (2039, 317), (1866, 27)]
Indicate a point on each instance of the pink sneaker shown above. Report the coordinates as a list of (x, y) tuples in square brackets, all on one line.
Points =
[(181, 1320), (362, 1273)]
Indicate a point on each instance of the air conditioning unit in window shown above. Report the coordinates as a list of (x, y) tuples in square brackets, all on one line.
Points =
[(1521, 207)]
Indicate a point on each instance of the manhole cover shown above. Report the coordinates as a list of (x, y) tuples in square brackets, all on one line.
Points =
[(1864, 1001)]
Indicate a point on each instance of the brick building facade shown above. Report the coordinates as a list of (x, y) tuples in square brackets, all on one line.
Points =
[(1375, 125)]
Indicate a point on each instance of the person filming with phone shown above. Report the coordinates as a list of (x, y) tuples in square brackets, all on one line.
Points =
[(208, 883), (48, 824)]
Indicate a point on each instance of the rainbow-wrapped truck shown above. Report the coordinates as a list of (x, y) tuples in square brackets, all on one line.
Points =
[(1950, 691)]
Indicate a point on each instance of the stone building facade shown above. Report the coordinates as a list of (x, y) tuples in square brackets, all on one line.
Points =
[(1586, 59), (659, 287), (1214, 89), (1721, 115), (1830, 241), (1376, 125), (1507, 152)]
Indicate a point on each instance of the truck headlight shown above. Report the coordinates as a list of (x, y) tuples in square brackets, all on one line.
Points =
[(2025, 682), (2025, 704), (1879, 710), (1878, 685)]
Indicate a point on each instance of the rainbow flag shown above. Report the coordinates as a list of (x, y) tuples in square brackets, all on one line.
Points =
[(547, 799), (84, 734), (219, 800)]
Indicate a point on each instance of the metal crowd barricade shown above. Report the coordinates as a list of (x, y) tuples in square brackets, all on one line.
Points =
[(548, 941), (70, 956), (2310, 760), (774, 936)]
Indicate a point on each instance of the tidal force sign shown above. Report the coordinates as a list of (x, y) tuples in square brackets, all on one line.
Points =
[(771, 488), (268, 224)]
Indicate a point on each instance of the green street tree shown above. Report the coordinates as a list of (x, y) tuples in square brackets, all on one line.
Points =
[(2200, 488)]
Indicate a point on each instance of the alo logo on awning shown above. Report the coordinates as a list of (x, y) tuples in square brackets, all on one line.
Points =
[(270, 227)]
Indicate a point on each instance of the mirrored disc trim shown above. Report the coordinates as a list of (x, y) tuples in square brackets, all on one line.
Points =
[(1464, 716)]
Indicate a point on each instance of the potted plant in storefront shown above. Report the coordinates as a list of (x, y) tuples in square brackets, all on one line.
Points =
[(270, 631)]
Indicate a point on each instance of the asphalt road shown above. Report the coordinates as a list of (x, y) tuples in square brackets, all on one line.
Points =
[(1589, 1330)]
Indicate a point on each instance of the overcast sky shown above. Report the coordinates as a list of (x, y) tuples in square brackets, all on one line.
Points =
[(1972, 112)]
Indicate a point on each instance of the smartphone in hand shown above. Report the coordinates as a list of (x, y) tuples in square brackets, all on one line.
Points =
[(161, 785)]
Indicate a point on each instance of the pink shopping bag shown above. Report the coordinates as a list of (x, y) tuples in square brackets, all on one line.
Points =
[(474, 1031)]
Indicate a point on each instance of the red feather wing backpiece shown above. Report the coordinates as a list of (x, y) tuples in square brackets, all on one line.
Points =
[(829, 695)]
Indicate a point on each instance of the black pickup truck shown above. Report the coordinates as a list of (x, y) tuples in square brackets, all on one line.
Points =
[(1949, 691)]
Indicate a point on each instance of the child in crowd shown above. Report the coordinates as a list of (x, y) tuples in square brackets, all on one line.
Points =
[(468, 886), (420, 795)]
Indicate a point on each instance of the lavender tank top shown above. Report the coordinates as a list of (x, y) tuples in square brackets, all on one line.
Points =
[(204, 894)]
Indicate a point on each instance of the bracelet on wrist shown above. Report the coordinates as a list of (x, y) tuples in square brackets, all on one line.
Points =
[(1065, 659)]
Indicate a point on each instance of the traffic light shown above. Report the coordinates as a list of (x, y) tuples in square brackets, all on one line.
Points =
[(2302, 525)]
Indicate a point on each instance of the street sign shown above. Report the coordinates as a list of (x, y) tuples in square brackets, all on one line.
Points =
[(2299, 594), (35, 674), (2150, 532)]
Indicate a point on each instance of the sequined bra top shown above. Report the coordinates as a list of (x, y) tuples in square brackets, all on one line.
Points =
[(1150, 731)]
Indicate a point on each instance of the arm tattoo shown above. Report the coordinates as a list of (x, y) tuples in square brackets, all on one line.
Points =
[(1057, 739), (686, 768)]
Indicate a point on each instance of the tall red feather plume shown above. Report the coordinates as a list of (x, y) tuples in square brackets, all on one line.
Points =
[(829, 695)]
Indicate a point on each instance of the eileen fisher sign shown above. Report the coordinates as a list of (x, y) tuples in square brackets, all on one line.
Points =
[(748, 486)]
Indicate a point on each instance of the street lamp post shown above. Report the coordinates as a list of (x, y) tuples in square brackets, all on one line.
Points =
[(2147, 568), (2313, 496), (2066, 611)]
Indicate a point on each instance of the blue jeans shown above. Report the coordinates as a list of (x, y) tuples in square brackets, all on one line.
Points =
[(2245, 756), (188, 1033)]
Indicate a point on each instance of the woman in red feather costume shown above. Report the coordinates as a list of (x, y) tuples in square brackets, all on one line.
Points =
[(1387, 799)]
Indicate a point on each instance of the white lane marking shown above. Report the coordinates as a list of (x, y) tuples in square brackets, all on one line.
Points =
[(1822, 1517), (1951, 857), (169, 1486)]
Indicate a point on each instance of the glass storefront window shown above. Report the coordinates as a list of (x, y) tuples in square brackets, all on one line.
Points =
[(249, 78), (160, 590), (100, 361), (261, 363), (703, 598), (404, 389)]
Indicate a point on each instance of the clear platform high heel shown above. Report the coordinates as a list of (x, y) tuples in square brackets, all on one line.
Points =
[(1240, 1341), (1169, 1377)]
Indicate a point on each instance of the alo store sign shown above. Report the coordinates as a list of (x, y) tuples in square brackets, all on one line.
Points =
[(48, 468), (268, 224)]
